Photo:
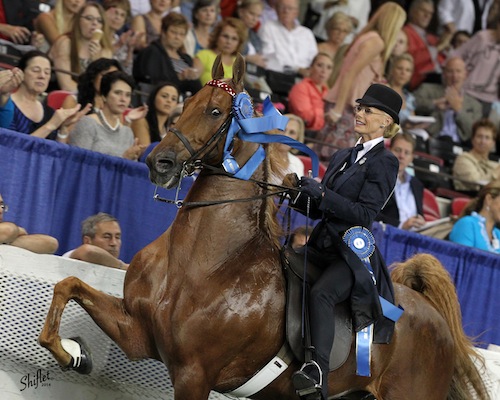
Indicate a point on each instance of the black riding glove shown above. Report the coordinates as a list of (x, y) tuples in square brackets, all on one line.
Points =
[(311, 187)]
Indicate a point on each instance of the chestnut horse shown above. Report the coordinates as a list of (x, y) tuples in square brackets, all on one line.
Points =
[(208, 296)]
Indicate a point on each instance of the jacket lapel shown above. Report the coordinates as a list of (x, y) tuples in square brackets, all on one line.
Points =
[(344, 177)]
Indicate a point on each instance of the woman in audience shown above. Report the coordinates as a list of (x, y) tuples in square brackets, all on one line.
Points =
[(22, 111), (103, 131), (227, 39), (89, 84), (88, 41), (162, 101), (477, 226), (287, 162), (363, 64), (306, 97), (475, 165), (148, 26), (249, 11), (204, 17), (59, 20), (117, 14), (337, 28), (400, 73), (164, 60)]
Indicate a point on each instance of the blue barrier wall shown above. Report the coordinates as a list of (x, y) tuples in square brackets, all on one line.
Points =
[(51, 187)]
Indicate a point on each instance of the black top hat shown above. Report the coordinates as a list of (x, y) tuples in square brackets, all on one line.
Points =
[(383, 98)]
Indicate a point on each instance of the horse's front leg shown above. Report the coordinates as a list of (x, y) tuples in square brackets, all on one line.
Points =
[(107, 312)]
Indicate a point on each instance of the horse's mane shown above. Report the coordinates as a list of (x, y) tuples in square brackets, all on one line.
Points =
[(272, 166)]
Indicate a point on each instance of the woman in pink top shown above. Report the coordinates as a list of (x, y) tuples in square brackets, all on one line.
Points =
[(306, 97), (363, 64)]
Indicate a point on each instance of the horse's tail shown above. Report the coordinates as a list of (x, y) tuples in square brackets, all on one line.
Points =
[(426, 275)]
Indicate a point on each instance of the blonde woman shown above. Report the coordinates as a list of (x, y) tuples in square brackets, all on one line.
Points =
[(88, 41), (59, 20), (364, 63), (355, 188), (286, 161), (400, 73), (337, 28)]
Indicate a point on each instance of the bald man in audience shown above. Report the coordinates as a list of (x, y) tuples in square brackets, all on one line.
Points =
[(17, 236)]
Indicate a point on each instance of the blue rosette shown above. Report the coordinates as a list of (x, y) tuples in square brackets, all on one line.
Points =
[(361, 241), (242, 106)]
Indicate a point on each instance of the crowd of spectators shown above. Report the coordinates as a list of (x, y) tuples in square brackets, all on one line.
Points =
[(439, 55)]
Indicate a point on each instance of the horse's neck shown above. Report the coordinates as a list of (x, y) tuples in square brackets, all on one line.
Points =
[(227, 227)]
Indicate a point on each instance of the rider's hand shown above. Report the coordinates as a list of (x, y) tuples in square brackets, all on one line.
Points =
[(311, 187)]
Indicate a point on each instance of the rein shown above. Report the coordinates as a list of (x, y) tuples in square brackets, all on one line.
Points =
[(220, 171)]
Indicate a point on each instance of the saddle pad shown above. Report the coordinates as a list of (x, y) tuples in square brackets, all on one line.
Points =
[(292, 263)]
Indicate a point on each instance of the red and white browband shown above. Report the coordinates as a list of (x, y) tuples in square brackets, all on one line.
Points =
[(222, 85)]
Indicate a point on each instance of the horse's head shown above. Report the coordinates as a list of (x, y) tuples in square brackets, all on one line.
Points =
[(200, 132)]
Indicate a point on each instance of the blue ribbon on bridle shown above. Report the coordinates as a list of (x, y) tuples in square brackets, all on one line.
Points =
[(249, 129)]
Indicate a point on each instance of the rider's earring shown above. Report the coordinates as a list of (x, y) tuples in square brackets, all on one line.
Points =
[(382, 126)]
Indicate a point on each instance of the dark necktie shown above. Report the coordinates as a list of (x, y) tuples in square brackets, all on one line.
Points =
[(354, 153)]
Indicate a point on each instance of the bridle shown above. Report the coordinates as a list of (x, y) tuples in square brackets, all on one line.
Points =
[(194, 162)]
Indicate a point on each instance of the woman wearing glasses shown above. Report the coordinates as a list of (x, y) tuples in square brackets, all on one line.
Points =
[(227, 39), (86, 42), (355, 187)]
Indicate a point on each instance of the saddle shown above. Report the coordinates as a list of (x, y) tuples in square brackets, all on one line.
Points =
[(293, 267)]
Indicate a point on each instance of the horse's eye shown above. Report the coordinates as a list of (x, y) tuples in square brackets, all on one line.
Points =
[(216, 112)]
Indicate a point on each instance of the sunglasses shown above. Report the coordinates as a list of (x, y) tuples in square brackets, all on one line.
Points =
[(367, 110)]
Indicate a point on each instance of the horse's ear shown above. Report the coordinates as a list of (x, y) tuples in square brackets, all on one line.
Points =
[(238, 70), (218, 68)]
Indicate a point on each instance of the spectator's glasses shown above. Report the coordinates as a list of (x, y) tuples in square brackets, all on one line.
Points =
[(4, 207), (92, 19), (367, 110)]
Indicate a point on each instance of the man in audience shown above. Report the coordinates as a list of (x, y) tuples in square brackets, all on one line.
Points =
[(15, 235), (422, 45), (454, 110), (404, 208), (102, 240), (288, 46)]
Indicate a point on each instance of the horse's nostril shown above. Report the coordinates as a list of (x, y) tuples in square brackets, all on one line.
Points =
[(164, 164)]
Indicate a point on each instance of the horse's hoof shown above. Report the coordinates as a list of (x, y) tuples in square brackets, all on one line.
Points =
[(81, 359)]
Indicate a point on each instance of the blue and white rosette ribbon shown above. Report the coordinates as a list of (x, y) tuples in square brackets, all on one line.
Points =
[(361, 241), (250, 129)]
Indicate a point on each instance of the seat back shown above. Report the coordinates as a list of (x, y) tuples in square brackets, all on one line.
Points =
[(427, 170), (56, 98), (431, 206), (458, 204), (444, 149)]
